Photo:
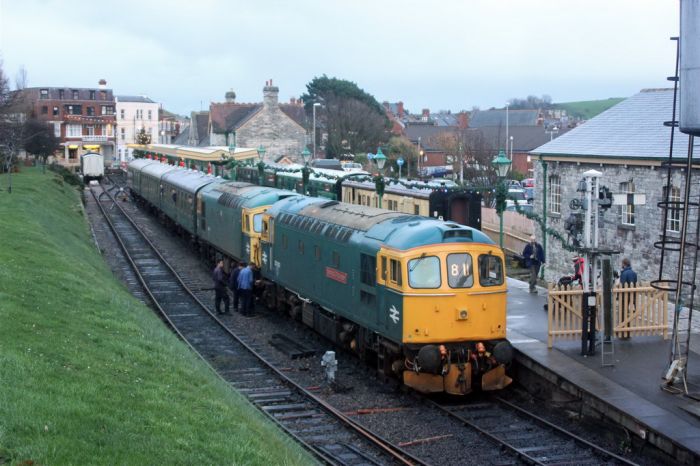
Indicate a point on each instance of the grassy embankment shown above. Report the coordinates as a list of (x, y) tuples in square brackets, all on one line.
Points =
[(587, 109), (88, 375)]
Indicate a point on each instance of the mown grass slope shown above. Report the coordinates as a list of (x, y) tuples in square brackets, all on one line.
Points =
[(88, 375), (587, 109)]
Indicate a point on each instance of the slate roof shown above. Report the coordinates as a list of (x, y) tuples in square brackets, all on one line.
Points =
[(426, 132), (228, 116), (201, 119), (182, 138), (134, 98), (483, 118), (525, 138), (296, 113), (632, 129)]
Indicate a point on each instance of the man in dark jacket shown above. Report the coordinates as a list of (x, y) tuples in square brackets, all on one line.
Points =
[(233, 284), (533, 255), (220, 293), (627, 275)]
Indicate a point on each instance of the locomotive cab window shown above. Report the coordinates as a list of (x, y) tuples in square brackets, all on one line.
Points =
[(257, 223), (460, 272), (490, 270), (424, 272)]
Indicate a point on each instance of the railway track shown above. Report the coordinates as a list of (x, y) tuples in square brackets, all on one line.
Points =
[(329, 434), (533, 439), (478, 432)]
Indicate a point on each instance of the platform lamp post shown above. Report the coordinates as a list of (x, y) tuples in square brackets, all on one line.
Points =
[(305, 172), (501, 163), (233, 163), (316, 104), (380, 159), (261, 164)]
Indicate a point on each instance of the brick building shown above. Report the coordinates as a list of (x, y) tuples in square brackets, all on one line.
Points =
[(628, 144), (82, 118)]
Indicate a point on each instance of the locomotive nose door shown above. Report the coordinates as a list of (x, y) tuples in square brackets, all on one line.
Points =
[(252, 227)]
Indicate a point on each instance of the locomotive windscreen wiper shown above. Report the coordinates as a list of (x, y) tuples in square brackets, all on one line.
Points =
[(418, 261)]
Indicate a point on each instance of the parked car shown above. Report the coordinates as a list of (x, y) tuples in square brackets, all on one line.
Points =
[(529, 194), (517, 194), (528, 183), (514, 184), (510, 207)]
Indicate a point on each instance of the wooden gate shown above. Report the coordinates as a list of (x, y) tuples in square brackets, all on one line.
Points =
[(637, 310)]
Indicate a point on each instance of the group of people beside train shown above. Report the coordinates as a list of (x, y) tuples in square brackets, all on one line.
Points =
[(241, 282)]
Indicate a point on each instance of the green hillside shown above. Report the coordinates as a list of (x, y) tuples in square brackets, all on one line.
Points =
[(88, 374), (587, 109)]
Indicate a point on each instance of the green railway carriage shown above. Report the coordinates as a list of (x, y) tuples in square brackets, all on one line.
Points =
[(321, 181), (151, 188), (413, 292), (230, 217), (179, 189), (134, 173)]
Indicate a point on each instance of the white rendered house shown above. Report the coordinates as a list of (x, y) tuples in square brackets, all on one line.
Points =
[(134, 113)]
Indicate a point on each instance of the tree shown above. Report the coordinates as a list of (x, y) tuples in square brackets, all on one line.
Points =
[(400, 146), (531, 102), (353, 119), (13, 110), (40, 139), (142, 137)]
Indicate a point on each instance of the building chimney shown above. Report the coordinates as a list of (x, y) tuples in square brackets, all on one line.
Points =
[(426, 114), (270, 94), (399, 109), (102, 83), (230, 96), (463, 120)]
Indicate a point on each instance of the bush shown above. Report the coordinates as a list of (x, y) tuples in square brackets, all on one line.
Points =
[(67, 175)]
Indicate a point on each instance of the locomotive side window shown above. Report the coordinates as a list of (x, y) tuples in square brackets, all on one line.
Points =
[(395, 272), (424, 272), (490, 270), (460, 271), (384, 268)]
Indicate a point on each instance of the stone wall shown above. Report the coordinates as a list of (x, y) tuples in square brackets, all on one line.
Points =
[(275, 131), (635, 242)]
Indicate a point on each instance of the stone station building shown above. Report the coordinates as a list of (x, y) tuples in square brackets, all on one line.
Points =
[(628, 144)]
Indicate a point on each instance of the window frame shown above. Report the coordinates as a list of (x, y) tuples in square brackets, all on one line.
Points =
[(627, 211), (481, 277), (449, 274), (422, 259), (674, 213), (395, 272), (554, 194)]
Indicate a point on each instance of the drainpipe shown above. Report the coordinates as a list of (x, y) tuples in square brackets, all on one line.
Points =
[(544, 214)]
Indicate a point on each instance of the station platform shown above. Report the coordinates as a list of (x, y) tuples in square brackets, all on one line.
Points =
[(629, 393)]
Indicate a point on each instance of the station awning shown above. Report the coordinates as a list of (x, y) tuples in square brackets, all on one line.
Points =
[(204, 154)]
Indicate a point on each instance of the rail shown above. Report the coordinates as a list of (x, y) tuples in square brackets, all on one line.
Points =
[(165, 300)]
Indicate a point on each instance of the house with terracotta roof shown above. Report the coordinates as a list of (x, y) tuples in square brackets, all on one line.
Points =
[(629, 145)]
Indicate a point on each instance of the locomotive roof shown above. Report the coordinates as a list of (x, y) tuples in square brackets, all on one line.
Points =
[(420, 231), (188, 180), (349, 215)]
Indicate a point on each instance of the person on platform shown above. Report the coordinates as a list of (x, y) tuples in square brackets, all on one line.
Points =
[(220, 293), (233, 284), (627, 275), (245, 289), (533, 254)]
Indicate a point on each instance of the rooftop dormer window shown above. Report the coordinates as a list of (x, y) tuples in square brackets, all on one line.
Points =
[(44, 94)]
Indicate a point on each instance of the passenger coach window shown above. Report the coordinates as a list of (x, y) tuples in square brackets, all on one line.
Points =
[(460, 271), (424, 272), (490, 270)]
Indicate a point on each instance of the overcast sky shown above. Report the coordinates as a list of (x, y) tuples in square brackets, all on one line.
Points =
[(448, 54)]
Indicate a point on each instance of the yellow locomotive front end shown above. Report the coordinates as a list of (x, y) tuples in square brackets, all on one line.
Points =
[(454, 316)]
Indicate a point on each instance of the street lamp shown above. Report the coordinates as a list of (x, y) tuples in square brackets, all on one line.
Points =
[(552, 132), (399, 162), (380, 159), (511, 149), (261, 164), (316, 104), (305, 170), (501, 163), (507, 125)]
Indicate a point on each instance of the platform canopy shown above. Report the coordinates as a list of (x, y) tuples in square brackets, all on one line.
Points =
[(202, 154)]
